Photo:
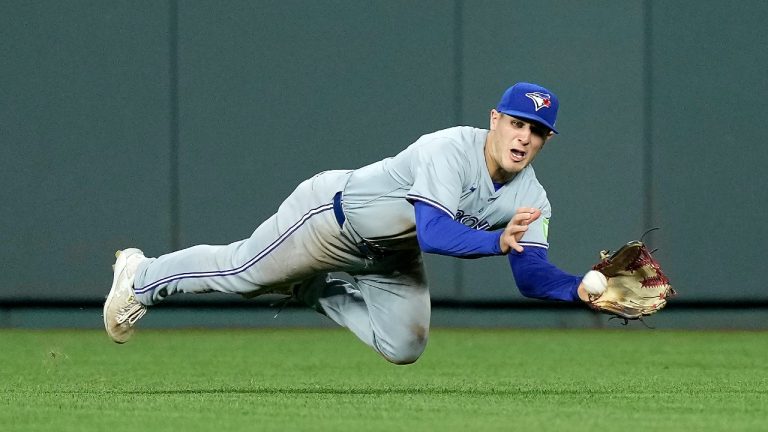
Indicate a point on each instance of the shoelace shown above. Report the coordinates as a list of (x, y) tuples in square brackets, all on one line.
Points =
[(281, 303), (131, 313)]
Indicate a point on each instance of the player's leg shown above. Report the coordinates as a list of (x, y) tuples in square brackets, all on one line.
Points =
[(387, 306), (300, 240), (303, 238)]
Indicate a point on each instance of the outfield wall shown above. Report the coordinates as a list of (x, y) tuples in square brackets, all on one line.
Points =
[(163, 124)]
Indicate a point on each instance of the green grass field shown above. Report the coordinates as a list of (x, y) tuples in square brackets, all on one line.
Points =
[(468, 380)]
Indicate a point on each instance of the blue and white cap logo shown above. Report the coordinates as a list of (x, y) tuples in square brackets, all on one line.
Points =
[(516, 102), (540, 100)]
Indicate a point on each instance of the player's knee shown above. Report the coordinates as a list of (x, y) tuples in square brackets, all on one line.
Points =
[(405, 350), (403, 356), (402, 359)]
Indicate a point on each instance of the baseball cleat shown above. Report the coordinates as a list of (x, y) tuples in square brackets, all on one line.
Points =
[(122, 310)]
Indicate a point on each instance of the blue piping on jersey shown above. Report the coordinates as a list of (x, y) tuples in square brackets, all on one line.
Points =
[(431, 202), (244, 267), (541, 245)]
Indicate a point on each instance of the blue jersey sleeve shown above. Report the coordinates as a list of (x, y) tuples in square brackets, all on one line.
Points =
[(439, 234), (537, 278)]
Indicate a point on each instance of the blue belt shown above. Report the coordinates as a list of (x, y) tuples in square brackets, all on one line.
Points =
[(337, 210), (365, 248)]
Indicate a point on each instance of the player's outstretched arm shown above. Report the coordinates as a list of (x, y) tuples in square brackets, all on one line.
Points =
[(438, 233), (537, 278), (516, 227)]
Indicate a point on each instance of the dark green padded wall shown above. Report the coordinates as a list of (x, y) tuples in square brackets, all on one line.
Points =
[(709, 145), (84, 133), (661, 125)]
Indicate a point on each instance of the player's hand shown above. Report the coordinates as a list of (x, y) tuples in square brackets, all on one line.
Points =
[(516, 227)]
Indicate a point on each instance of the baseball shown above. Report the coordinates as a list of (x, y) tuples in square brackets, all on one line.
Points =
[(594, 282)]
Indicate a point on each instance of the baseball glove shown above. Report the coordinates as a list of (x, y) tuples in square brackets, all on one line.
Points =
[(636, 286)]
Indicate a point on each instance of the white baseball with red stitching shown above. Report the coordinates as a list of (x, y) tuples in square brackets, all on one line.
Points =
[(594, 282)]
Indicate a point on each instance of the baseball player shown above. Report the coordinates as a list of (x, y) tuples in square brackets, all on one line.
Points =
[(464, 192)]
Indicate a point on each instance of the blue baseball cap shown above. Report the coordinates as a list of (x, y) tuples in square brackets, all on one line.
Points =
[(530, 102)]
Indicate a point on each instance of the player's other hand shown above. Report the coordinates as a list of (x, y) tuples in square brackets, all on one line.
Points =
[(516, 227)]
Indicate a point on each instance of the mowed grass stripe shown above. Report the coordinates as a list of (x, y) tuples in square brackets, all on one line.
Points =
[(326, 380)]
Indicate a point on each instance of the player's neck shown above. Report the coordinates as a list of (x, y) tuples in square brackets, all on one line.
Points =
[(498, 175)]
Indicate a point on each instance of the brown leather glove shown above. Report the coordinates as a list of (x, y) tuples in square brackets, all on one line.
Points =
[(636, 285)]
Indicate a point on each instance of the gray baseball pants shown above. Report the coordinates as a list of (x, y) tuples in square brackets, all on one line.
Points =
[(386, 304)]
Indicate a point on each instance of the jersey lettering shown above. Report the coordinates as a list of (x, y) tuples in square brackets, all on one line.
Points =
[(471, 221)]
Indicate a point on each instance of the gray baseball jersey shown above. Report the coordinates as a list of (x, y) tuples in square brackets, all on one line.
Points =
[(447, 170), (327, 225)]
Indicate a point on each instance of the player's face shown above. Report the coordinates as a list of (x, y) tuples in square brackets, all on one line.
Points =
[(512, 144)]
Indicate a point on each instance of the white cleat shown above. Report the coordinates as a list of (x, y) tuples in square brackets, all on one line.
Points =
[(122, 310)]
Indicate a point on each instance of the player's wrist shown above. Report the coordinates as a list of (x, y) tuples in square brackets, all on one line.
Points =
[(583, 296), (500, 246)]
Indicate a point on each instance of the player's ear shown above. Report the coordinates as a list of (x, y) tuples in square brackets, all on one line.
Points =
[(494, 118), (548, 137)]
